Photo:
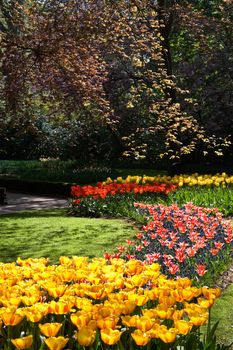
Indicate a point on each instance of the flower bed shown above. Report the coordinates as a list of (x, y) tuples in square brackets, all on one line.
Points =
[(189, 241), (103, 190), (222, 180), (105, 198), (78, 304)]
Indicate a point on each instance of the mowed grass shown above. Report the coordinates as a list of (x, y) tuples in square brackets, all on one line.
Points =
[(223, 312), (51, 233)]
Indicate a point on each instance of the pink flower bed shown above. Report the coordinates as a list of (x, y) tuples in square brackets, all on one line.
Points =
[(188, 241)]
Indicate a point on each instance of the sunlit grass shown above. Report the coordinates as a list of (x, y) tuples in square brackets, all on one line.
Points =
[(222, 311), (51, 233)]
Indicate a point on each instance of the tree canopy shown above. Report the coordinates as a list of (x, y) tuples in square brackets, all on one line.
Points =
[(142, 79)]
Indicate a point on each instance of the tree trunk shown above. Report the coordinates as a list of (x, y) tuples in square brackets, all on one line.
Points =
[(166, 18)]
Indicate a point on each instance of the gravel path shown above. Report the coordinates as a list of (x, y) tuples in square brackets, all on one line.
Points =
[(22, 201), (226, 279)]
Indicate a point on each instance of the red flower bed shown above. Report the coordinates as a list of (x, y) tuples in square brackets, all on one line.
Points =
[(102, 191)]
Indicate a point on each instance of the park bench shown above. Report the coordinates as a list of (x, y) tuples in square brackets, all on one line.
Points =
[(3, 199)]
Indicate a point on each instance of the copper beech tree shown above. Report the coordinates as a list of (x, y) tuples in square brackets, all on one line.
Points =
[(51, 63), (109, 60)]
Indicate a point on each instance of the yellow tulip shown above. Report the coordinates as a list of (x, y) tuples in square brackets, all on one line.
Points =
[(138, 299), (211, 293), (107, 322), (11, 302), (164, 292), (33, 315), (167, 335), (129, 321), (183, 282), (140, 338), (183, 327), (11, 318), (67, 276), (206, 303), (177, 315), (128, 307), (114, 308), (80, 261), (119, 297), (64, 260), (10, 282), (133, 267), (59, 308), (110, 336), (80, 319), (98, 294), (189, 293), (30, 300), (86, 336), (92, 324), (31, 291), (164, 311), (58, 343), (153, 332), (23, 343), (177, 294), (144, 323), (105, 311), (167, 301), (81, 303), (153, 293), (57, 291), (50, 329), (138, 280), (149, 313), (199, 320), (109, 180)]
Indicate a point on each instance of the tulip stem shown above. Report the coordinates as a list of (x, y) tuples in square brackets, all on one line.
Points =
[(208, 325), (42, 346), (120, 345), (9, 336)]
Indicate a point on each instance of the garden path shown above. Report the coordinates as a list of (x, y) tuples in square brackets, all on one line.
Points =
[(21, 201), (226, 279)]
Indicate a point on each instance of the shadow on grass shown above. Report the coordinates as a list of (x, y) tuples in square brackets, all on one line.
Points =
[(36, 214), (52, 233)]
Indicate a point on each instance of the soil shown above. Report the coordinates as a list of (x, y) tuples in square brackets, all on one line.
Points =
[(227, 277)]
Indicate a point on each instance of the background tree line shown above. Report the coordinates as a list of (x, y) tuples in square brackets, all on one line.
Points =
[(104, 80)]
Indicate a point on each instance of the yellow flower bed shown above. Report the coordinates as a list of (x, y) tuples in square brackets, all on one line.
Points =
[(79, 303), (223, 180)]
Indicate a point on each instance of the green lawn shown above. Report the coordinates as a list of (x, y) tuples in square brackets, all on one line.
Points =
[(51, 233), (223, 312)]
